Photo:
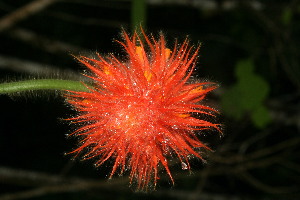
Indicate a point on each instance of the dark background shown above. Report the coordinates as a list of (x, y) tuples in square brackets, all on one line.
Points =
[(251, 48)]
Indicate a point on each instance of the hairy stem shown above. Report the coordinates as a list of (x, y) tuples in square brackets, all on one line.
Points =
[(41, 84)]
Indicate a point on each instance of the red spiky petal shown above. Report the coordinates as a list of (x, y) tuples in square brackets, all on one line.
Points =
[(141, 111)]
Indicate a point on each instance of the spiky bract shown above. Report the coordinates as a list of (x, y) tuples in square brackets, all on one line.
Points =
[(143, 110)]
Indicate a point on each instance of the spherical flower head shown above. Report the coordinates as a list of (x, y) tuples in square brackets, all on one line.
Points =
[(144, 110)]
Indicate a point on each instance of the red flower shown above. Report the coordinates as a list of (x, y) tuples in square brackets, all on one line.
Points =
[(143, 110)]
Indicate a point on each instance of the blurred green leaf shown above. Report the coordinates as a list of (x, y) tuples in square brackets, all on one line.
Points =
[(260, 117), (244, 68), (231, 103), (254, 91), (286, 16), (247, 95)]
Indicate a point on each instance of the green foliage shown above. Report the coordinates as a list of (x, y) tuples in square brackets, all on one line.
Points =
[(286, 16), (138, 13), (247, 96)]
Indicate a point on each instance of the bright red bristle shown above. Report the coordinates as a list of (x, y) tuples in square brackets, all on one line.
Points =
[(141, 111)]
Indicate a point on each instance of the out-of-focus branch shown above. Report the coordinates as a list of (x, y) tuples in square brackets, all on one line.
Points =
[(30, 178), (39, 70), (89, 21), (22, 13), (269, 150), (208, 5), (284, 47), (240, 165), (49, 184), (184, 194), (41, 191), (49, 45), (19, 65), (275, 148), (264, 187)]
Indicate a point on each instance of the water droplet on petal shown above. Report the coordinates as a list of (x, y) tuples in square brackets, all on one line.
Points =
[(184, 166)]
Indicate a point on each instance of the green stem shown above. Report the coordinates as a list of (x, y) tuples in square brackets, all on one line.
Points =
[(41, 84), (138, 14)]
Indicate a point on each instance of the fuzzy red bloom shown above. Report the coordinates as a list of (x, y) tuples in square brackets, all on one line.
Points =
[(143, 110)]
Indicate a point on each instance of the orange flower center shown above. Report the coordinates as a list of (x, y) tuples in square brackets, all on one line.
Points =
[(134, 115)]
